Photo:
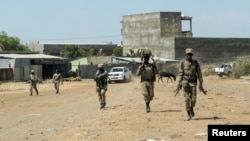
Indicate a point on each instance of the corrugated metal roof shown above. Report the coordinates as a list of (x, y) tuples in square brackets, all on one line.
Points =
[(38, 56)]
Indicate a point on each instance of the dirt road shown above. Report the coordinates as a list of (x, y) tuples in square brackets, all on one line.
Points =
[(74, 115)]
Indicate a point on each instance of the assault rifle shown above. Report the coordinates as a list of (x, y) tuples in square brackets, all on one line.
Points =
[(202, 90), (177, 90)]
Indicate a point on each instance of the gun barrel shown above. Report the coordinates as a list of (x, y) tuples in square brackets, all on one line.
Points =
[(204, 92), (177, 91)]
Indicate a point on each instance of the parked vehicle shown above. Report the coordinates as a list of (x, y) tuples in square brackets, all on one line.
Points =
[(119, 74), (224, 69), (69, 73)]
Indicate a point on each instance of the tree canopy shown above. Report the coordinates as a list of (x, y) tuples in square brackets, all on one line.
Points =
[(11, 43), (118, 51), (73, 51)]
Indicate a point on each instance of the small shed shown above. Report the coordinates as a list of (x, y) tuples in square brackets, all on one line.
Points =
[(22, 64)]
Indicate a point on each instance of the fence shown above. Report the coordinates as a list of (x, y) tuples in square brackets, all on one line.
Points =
[(88, 71)]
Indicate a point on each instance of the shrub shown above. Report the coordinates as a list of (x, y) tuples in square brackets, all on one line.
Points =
[(241, 66)]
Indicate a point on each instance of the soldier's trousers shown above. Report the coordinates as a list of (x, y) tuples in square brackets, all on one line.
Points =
[(33, 86), (56, 85), (147, 90), (190, 96), (101, 95)]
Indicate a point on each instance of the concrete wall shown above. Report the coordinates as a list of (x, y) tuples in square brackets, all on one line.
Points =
[(99, 60), (213, 50), (140, 31), (155, 31), (36, 47)]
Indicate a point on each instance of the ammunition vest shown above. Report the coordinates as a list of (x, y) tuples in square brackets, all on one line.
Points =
[(101, 82), (190, 71), (148, 73)]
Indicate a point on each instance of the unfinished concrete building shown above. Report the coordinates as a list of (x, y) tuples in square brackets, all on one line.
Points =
[(156, 31), (167, 34)]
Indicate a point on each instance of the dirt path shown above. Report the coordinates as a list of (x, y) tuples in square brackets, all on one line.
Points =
[(74, 115)]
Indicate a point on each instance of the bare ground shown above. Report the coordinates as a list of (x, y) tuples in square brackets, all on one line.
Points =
[(74, 115)]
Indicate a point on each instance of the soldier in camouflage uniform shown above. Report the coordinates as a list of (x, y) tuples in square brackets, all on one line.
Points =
[(57, 79), (101, 78), (33, 82), (148, 72), (189, 72)]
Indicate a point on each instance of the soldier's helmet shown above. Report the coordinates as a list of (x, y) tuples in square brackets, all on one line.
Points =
[(189, 50), (146, 52), (100, 65), (32, 71)]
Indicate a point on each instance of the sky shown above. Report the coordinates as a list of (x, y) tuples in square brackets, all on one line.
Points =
[(98, 21)]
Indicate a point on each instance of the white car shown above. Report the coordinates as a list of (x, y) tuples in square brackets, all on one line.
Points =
[(224, 69), (122, 74)]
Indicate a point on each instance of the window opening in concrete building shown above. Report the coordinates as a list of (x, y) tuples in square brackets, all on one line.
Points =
[(186, 24)]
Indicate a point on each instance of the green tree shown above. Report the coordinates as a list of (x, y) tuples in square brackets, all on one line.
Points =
[(83, 52), (73, 51), (22, 47), (118, 51), (11, 43), (70, 51), (90, 52)]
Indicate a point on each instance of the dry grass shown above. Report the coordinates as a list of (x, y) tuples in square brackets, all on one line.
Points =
[(207, 69)]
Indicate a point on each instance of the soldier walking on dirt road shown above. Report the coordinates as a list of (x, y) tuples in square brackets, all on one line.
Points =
[(101, 78), (189, 72), (33, 82), (148, 72), (57, 79)]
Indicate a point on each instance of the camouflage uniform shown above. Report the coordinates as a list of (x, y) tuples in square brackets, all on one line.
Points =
[(148, 72), (57, 78), (33, 82), (189, 72), (101, 78)]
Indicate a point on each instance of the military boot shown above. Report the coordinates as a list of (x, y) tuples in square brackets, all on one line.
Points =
[(192, 111), (147, 107), (102, 106), (189, 116)]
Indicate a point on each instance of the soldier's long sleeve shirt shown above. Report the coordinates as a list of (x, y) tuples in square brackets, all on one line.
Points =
[(189, 72)]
